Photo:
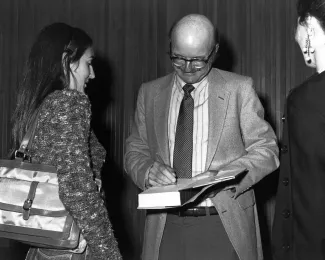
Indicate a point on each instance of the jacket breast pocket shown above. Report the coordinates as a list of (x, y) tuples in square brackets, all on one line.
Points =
[(246, 200)]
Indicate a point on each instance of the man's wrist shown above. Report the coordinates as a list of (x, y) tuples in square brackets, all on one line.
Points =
[(147, 184), (146, 179)]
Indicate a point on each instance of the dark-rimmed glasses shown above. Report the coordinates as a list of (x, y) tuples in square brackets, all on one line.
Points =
[(196, 63)]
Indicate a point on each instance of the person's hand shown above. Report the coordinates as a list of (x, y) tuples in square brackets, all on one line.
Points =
[(160, 175)]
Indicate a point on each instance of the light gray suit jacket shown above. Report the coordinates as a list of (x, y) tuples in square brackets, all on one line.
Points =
[(238, 136)]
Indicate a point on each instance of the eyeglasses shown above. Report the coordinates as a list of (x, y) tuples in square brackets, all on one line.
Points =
[(180, 62)]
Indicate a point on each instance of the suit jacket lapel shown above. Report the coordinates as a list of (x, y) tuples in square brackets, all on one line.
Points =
[(218, 103), (161, 111)]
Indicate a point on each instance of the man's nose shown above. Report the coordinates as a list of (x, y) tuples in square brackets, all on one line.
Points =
[(188, 66)]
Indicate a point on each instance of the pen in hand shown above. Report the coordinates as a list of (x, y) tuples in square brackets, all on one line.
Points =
[(167, 171)]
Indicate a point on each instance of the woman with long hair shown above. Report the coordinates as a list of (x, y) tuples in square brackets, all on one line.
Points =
[(58, 69)]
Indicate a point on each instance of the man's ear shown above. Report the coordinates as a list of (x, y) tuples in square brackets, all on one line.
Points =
[(215, 54), (217, 48)]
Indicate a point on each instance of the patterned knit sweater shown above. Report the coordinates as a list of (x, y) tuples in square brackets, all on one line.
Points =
[(63, 138)]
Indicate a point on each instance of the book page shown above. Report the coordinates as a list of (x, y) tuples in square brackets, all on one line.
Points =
[(183, 184), (217, 176), (180, 185)]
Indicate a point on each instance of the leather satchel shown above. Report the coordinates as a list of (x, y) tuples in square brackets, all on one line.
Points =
[(30, 208)]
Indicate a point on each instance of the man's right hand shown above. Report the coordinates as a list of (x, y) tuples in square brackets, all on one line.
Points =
[(160, 175)]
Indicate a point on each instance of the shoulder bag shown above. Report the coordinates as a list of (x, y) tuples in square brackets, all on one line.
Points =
[(30, 208)]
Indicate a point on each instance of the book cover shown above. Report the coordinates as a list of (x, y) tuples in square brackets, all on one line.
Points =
[(185, 190)]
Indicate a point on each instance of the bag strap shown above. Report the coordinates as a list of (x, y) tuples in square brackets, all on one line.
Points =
[(22, 152), (29, 201)]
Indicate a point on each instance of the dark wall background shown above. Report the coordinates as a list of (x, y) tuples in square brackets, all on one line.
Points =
[(130, 38)]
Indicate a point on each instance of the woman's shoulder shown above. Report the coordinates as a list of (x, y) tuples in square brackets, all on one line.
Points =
[(66, 100), (69, 96), (65, 107)]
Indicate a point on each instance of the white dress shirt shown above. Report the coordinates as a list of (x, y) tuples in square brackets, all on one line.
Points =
[(200, 124)]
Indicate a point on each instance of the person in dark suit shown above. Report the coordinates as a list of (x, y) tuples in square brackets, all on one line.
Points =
[(299, 224), (226, 129)]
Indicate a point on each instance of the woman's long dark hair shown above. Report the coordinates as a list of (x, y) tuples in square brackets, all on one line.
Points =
[(315, 8), (47, 69)]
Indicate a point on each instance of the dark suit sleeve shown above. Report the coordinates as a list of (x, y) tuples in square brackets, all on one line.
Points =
[(258, 137), (137, 158)]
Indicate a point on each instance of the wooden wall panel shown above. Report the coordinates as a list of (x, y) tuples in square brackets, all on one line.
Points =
[(130, 38)]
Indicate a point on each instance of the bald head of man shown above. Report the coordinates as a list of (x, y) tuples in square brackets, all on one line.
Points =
[(193, 47)]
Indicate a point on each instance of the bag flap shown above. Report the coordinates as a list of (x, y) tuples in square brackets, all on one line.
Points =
[(28, 171), (15, 192)]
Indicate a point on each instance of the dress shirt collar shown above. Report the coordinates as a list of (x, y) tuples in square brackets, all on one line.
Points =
[(180, 83)]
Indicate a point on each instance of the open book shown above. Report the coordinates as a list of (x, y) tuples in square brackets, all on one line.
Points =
[(177, 194)]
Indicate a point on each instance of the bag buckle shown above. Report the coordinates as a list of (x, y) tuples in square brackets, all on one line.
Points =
[(27, 206), (29, 200), (22, 156)]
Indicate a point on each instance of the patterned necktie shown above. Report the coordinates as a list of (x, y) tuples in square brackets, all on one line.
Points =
[(182, 160)]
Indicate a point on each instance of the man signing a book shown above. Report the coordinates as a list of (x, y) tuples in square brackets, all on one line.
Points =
[(192, 120)]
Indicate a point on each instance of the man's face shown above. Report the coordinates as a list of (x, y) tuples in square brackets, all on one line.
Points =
[(189, 73)]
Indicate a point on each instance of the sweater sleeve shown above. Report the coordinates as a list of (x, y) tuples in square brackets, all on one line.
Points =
[(69, 121), (97, 153)]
